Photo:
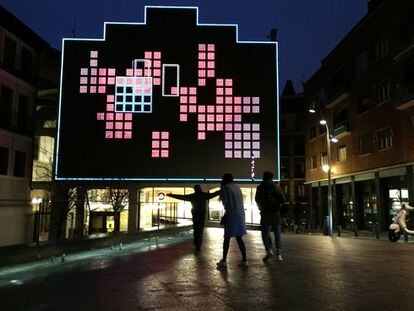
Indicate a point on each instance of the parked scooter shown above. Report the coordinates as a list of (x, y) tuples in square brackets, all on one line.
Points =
[(399, 223)]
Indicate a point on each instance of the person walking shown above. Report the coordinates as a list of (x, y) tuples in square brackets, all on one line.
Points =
[(233, 219), (198, 201), (269, 198)]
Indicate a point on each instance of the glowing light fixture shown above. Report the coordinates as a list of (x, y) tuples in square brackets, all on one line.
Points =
[(322, 122), (325, 168), (334, 140)]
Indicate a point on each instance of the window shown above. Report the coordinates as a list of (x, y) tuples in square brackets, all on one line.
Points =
[(312, 162), (284, 168), (340, 118), (365, 145), (300, 190), (4, 160), (385, 139), (382, 48), (324, 158), (43, 151), (312, 132), (382, 92), (19, 164), (364, 104), (23, 114), (341, 153), (27, 62), (299, 169), (6, 106), (10, 48), (361, 63)]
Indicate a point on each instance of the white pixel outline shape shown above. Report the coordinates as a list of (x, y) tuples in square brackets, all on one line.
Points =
[(163, 80)]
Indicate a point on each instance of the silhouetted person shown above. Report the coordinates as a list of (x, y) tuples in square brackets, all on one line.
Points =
[(269, 199), (234, 218), (198, 201)]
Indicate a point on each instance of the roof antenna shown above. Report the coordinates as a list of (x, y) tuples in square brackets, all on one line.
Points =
[(73, 30)]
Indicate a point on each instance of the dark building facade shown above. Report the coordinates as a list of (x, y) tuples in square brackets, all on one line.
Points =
[(364, 90)]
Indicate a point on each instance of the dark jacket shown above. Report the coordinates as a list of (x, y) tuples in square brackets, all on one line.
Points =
[(265, 192), (198, 202)]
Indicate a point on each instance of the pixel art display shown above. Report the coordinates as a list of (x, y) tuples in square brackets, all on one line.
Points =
[(167, 99)]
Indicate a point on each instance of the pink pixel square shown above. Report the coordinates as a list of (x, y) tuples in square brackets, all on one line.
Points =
[(210, 108), (210, 127), (201, 64), (83, 89), (102, 71), (157, 81), (237, 127), (157, 55), (202, 73), (237, 145), (256, 109), (183, 108), (110, 107), (118, 134), (228, 136), (256, 154), (100, 116), (256, 145), (102, 80), (255, 100), (119, 116), (237, 109), (183, 117), (193, 90), (201, 127), (228, 127), (93, 63), (94, 71), (84, 80), (202, 108), (219, 82), (220, 109), (201, 55), (93, 80), (147, 91), (201, 136), (128, 116), (211, 47), (119, 125), (109, 134), (155, 153), (201, 117), (120, 80), (155, 144), (155, 135), (219, 126), (237, 118), (147, 72), (237, 100), (256, 127), (201, 47), (229, 118), (246, 145), (193, 108), (148, 63), (228, 145), (129, 80), (157, 73), (183, 90), (210, 73), (237, 136), (157, 64), (164, 153), (128, 135), (202, 82), (111, 72), (164, 144), (219, 118), (246, 109), (246, 154), (193, 99), (210, 55), (229, 82), (109, 125), (219, 100), (94, 54), (228, 154), (219, 91), (229, 91), (148, 54), (92, 89), (210, 118), (110, 116), (138, 72), (111, 81), (246, 127), (229, 109), (210, 65), (128, 125), (165, 135), (246, 100), (256, 136), (84, 71), (174, 90), (229, 100)]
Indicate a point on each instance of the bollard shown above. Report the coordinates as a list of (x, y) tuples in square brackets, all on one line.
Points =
[(63, 259), (355, 231), (339, 230)]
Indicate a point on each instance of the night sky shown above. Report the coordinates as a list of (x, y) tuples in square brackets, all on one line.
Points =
[(308, 29)]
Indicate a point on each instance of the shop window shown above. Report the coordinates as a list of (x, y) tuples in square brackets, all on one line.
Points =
[(385, 139), (19, 164), (10, 49), (6, 106), (4, 160), (341, 154), (365, 145), (382, 92), (361, 63), (312, 162)]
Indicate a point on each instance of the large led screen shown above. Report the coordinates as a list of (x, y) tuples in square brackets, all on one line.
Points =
[(167, 99)]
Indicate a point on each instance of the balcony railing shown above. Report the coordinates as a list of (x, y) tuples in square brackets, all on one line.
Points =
[(341, 129), (406, 98), (338, 96)]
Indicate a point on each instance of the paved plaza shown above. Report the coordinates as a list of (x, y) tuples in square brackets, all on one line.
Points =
[(318, 273)]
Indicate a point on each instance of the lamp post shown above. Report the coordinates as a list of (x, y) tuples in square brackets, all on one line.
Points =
[(327, 167)]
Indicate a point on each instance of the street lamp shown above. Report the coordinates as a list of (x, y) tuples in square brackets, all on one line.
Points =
[(327, 167)]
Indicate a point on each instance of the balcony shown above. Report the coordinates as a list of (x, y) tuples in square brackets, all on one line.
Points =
[(338, 96), (341, 129), (406, 98)]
